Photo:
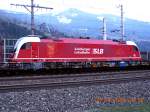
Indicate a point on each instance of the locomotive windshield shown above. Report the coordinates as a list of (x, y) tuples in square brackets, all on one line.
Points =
[(26, 46), (135, 48)]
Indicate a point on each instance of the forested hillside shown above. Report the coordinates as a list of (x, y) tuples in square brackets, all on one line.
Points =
[(11, 27), (12, 30)]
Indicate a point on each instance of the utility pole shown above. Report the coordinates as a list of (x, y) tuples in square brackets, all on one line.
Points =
[(32, 6), (32, 18), (122, 22), (104, 30)]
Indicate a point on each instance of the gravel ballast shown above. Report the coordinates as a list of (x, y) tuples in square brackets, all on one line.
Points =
[(73, 99)]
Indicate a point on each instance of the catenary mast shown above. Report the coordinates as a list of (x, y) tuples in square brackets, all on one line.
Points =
[(31, 8), (104, 29), (122, 22)]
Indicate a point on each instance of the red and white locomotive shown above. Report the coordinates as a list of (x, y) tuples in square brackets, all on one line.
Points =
[(33, 49)]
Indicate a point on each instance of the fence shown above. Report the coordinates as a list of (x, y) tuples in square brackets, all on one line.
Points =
[(8, 48)]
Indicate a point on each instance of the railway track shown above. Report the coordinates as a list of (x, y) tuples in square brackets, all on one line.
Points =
[(22, 83), (28, 72), (53, 76)]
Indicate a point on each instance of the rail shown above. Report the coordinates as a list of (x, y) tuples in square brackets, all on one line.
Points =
[(84, 80)]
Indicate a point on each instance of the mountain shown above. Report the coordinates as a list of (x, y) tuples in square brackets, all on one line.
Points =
[(12, 30), (75, 23)]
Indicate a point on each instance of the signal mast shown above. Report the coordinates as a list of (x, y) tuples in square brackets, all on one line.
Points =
[(31, 8)]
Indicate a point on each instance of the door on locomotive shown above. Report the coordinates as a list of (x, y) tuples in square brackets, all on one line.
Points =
[(35, 50)]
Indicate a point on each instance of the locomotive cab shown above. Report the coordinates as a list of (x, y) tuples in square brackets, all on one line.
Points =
[(135, 50), (23, 47)]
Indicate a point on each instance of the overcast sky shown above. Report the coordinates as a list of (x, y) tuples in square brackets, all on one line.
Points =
[(135, 9)]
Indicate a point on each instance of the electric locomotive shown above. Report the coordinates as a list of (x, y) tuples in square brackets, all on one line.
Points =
[(32, 49)]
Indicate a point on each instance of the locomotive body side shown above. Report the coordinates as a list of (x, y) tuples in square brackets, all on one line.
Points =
[(76, 50)]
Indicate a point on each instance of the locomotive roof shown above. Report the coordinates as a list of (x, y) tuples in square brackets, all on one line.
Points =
[(23, 40), (70, 40), (75, 40), (87, 41)]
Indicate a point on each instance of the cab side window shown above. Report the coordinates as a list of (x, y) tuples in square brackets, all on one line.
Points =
[(26, 46)]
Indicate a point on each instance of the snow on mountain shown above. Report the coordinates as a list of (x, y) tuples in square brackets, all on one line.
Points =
[(64, 20)]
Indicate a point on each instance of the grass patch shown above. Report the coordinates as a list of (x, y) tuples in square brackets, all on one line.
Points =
[(145, 107)]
